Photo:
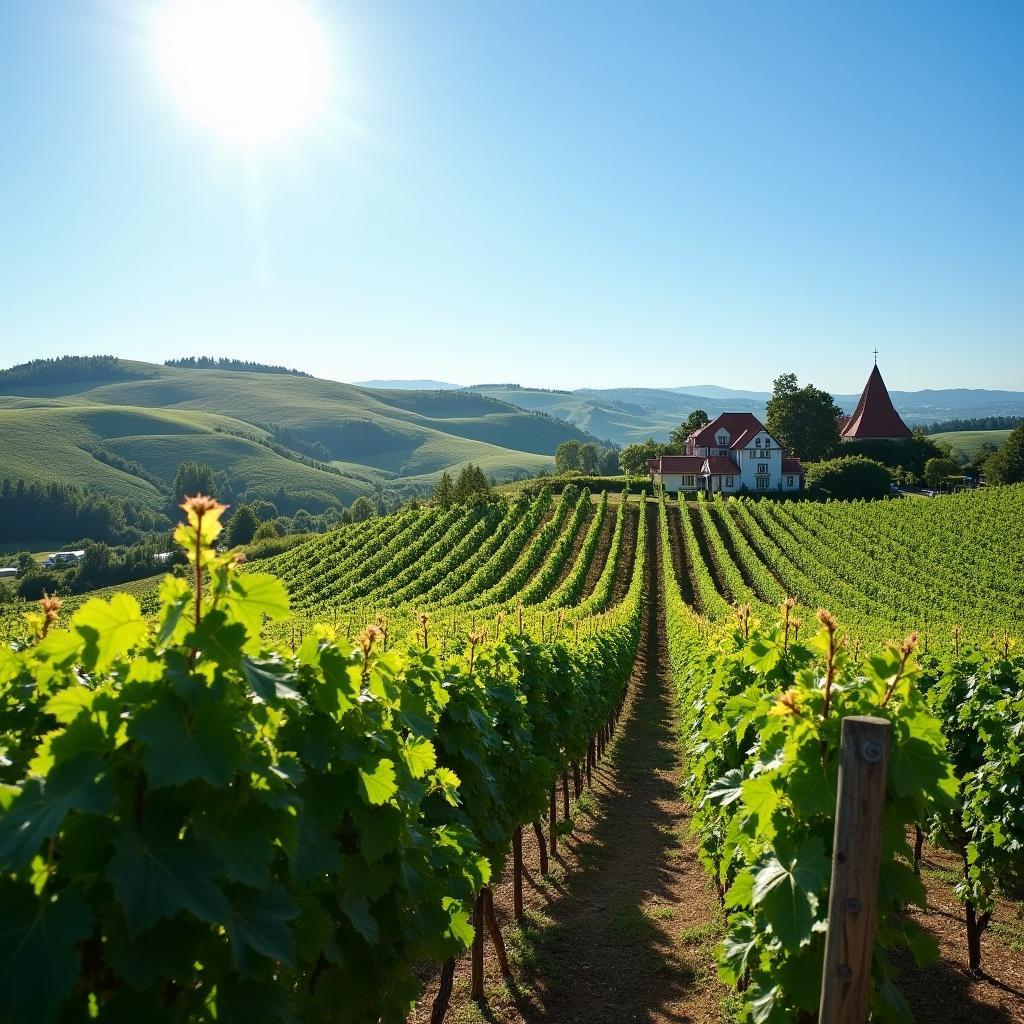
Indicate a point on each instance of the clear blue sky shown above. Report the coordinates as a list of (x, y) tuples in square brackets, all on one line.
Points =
[(567, 194)]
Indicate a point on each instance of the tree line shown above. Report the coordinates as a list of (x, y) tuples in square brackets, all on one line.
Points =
[(68, 369), (222, 363), (33, 511), (973, 423)]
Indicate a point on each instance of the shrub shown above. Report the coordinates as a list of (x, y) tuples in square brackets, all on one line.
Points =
[(853, 476)]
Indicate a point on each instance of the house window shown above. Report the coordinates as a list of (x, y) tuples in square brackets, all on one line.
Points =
[(789, 481), (723, 439), (689, 481), (753, 454), (729, 482), (765, 453), (758, 442), (762, 482), (762, 470)]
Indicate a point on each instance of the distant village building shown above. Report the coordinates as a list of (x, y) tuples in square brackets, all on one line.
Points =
[(59, 558), (875, 418), (732, 453)]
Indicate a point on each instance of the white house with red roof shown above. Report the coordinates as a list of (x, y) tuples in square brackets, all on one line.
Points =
[(731, 453)]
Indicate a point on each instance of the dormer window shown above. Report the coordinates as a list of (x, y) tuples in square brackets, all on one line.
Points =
[(723, 440)]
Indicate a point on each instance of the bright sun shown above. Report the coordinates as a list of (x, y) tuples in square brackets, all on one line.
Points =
[(252, 71)]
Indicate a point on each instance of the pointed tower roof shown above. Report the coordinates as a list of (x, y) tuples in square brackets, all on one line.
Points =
[(875, 416)]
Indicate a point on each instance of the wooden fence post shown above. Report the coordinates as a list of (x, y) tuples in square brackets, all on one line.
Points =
[(856, 856)]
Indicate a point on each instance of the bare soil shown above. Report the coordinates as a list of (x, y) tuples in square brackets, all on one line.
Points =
[(947, 991)]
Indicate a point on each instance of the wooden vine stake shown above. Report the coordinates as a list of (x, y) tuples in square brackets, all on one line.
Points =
[(476, 989), (856, 856), (444, 992), (517, 874)]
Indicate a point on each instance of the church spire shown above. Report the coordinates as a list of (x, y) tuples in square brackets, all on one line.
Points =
[(875, 417)]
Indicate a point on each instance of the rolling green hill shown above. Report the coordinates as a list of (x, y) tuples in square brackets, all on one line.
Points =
[(159, 416), (969, 442)]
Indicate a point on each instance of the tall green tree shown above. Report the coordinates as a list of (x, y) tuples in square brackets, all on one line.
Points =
[(805, 420), (590, 457), (936, 470), (1006, 466), (633, 458), (569, 457), (443, 493), (242, 526), (362, 508), (677, 439), (471, 484), (192, 478)]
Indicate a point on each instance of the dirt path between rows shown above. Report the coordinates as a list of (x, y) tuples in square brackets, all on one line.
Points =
[(624, 927)]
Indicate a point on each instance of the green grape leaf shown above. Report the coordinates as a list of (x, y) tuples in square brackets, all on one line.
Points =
[(218, 640), (736, 948), (727, 789), (786, 888), (176, 601), (357, 910), (258, 924), (243, 839), (380, 832), (379, 785), (157, 875), (760, 797), (917, 767), (253, 595), (419, 755), (67, 704), (38, 959), (316, 852), (110, 629), (244, 1001), (167, 950), (270, 680), (181, 746), (741, 892), (61, 646), (39, 811)]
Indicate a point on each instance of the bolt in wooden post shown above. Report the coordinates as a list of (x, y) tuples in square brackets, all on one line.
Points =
[(517, 874), (477, 981), (856, 856)]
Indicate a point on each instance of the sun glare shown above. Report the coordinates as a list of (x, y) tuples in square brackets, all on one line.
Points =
[(251, 71)]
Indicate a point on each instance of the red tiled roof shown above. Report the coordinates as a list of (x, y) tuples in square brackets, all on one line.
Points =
[(677, 464), (741, 426), (875, 415), (718, 466), (791, 465)]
